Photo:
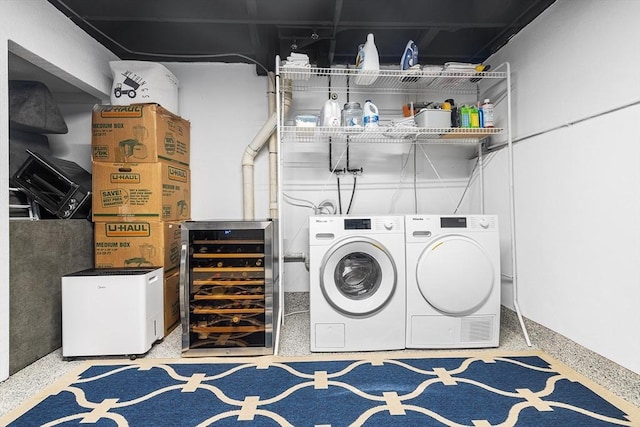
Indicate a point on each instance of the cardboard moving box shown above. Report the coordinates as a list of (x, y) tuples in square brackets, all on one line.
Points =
[(139, 133), (144, 244), (171, 300), (137, 244), (158, 191)]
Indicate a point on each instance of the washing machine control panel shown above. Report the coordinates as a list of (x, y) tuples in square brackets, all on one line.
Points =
[(326, 228), (374, 223), (357, 224)]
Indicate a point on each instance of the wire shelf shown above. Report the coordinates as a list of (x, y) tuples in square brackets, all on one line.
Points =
[(386, 134), (385, 81)]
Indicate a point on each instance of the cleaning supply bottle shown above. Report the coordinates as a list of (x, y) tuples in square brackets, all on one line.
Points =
[(474, 117), (370, 117), (465, 118), (410, 56), (367, 62), (330, 113), (487, 112)]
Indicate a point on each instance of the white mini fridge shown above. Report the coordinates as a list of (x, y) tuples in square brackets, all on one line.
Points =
[(112, 311)]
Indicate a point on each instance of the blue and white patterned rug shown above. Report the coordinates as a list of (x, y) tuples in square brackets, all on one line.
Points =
[(427, 389)]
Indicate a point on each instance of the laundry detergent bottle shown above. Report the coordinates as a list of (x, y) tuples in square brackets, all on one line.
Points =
[(367, 62)]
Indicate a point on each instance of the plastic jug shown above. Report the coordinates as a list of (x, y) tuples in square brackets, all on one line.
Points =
[(370, 115), (330, 113), (367, 62)]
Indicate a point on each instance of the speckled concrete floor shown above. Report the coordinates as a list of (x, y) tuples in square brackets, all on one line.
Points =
[(294, 341)]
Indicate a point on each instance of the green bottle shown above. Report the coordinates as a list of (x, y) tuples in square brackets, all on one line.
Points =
[(465, 117)]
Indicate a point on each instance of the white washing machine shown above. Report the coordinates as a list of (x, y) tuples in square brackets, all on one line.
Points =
[(357, 283), (453, 281)]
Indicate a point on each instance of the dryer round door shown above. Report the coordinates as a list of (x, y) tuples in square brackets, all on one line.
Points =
[(358, 276), (455, 275)]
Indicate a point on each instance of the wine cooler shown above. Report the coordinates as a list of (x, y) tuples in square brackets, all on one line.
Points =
[(229, 288)]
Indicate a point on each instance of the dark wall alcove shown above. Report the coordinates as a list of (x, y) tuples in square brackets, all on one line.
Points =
[(41, 252)]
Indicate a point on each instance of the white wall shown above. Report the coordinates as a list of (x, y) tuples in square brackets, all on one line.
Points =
[(227, 105), (76, 144), (577, 183), (36, 31)]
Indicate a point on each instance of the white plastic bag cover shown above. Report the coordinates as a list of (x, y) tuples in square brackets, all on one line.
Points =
[(142, 82)]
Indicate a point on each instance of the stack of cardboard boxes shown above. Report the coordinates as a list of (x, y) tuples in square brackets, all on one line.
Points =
[(141, 191)]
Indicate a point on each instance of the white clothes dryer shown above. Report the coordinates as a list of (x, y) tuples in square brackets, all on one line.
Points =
[(357, 283), (453, 281)]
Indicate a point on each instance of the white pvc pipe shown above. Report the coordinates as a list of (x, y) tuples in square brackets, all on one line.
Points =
[(247, 166), (481, 176), (273, 153), (287, 97), (512, 203), (266, 133)]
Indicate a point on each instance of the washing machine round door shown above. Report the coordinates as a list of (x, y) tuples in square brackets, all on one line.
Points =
[(455, 275), (358, 276)]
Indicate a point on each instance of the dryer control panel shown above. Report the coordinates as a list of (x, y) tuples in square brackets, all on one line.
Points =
[(424, 226), (471, 221)]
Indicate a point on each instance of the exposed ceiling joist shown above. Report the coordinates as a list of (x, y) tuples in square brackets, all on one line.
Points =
[(255, 31)]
